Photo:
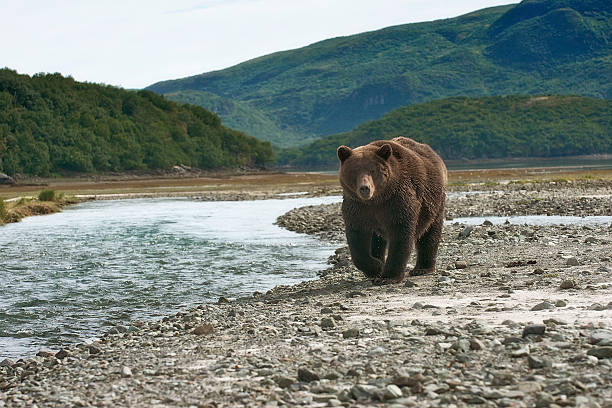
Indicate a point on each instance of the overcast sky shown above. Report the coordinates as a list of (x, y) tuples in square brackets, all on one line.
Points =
[(134, 43)]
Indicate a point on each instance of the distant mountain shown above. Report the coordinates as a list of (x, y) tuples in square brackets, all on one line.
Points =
[(292, 97), (476, 128), (50, 125)]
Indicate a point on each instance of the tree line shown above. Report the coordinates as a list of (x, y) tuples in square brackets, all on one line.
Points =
[(51, 125)]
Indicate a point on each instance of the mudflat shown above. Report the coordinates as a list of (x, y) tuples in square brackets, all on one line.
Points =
[(516, 315)]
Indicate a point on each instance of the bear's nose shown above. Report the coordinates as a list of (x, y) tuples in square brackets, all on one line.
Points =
[(364, 191)]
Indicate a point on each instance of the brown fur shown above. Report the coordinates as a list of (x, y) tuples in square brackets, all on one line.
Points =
[(393, 201)]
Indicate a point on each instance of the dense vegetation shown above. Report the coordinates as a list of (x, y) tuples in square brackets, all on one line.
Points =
[(50, 125), (291, 97), (487, 127)]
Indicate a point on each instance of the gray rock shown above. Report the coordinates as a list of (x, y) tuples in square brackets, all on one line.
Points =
[(544, 400), (126, 371), (601, 352), (392, 391), (568, 284), (306, 375), (538, 362), (7, 362), (364, 392), (522, 352), (461, 265), (461, 346), (572, 261), (601, 336), (62, 354), (597, 306), (328, 323), (94, 349), (351, 333), (476, 344), (6, 179), (464, 233), (560, 303), (543, 306), (377, 351), (410, 284), (284, 382), (534, 329), (326, 310)]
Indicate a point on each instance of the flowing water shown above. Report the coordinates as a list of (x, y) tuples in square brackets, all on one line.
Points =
[(68, 277)]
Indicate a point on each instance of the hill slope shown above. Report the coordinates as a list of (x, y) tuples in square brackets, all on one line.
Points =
[(535, 47), (486, 127), (50, 124)]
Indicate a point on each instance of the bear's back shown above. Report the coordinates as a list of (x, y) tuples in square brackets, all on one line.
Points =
[(431, 159)]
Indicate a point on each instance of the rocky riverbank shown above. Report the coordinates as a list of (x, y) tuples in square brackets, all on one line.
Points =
[(516, 316)]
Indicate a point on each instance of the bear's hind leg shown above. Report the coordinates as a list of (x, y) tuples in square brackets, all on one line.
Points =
[(360, 244), (427, 248), (379, 247)]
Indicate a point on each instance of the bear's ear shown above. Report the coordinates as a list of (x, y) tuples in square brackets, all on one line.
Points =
[(384, 151), (344, 152)]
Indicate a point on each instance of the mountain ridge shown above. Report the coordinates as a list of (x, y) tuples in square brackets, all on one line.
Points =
[(333, 85)]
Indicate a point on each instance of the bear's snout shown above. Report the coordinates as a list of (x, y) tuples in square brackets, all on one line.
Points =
[(365, 188)]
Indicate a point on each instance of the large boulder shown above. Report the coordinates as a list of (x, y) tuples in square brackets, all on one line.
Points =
[(5, 179)]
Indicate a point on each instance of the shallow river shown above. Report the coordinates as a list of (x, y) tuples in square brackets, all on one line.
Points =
[(70, 276)]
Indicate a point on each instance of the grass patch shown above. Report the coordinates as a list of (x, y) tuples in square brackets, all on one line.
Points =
[(25, 207), (3, 211)]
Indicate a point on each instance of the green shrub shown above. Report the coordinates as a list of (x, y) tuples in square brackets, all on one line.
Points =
[(46, 195)]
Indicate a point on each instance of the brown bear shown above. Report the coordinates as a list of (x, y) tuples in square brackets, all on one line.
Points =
[(393, 200)]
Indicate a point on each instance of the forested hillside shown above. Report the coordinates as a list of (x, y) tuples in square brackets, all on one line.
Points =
[(292, 97), (50, 125), (487, 127)]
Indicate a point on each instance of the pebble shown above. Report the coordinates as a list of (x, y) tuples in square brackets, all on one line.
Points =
[(568, 284), (543, 306), (461, 265), (126, 371)]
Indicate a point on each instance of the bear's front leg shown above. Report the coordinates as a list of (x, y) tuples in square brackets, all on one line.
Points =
[(398, 255), (359, 243)]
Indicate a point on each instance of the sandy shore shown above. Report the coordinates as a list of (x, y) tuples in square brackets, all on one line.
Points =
[(516, 316)]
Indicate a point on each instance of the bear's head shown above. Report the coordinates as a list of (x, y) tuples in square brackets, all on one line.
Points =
[(365, 170)]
